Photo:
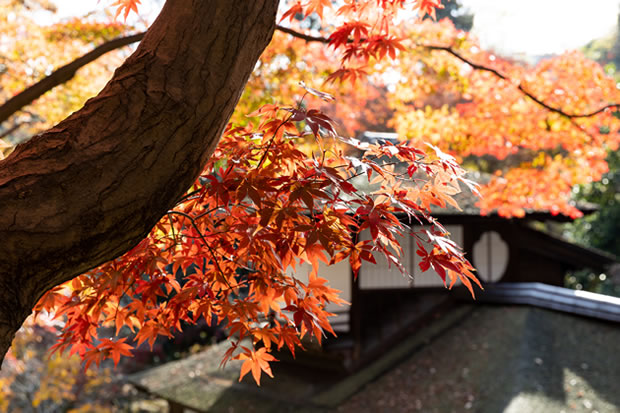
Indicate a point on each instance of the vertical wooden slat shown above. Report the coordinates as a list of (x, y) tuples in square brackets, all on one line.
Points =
[(174, 407), (355, 315)]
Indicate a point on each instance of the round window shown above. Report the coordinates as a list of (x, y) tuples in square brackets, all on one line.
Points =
[(490, 257)]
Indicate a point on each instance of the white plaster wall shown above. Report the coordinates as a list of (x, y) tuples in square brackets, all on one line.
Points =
[(430, 278), (382, 275), (338, 277)]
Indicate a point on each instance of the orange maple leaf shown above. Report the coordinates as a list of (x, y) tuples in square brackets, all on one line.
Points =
[(126, 6), (256, 362), (317, 6)]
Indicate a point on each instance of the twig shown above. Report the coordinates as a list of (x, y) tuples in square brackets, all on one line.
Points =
[(303, 36), (275, 133), (12, 129), (204, 240)]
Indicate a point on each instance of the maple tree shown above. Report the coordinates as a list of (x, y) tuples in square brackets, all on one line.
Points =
[(277, 186)]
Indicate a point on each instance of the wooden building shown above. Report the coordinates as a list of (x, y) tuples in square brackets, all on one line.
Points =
[(386, 306)]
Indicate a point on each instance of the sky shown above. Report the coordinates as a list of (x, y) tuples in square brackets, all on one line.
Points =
[(521, 27), (537, 27), (69, 8)]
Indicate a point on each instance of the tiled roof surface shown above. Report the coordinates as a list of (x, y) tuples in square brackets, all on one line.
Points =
[(505, 359), (494, 359)]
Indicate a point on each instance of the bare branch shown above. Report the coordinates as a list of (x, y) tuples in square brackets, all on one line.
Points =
[(62, 75), (303, 36), (520, 87), (475, 66)]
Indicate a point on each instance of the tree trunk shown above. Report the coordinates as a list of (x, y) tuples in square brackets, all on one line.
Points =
[(93, 186)]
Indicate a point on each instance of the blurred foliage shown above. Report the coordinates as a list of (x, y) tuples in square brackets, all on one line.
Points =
[(600, 229), (33, 380), (590, 281), (462, 18), (605, 50)]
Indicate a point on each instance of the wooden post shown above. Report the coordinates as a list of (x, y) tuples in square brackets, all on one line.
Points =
[(174, 407), (355, 315)]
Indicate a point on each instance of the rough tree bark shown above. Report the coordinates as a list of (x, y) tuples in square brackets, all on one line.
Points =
[(93, 186)]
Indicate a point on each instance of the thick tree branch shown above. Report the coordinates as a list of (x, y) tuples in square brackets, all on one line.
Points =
[(62, 75), (93, 186)]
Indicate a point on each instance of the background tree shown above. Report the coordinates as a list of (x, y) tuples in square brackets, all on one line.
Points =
[(492, 119), (600, 229)]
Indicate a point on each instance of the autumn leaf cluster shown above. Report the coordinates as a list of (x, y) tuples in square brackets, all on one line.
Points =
[(229, 250)]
